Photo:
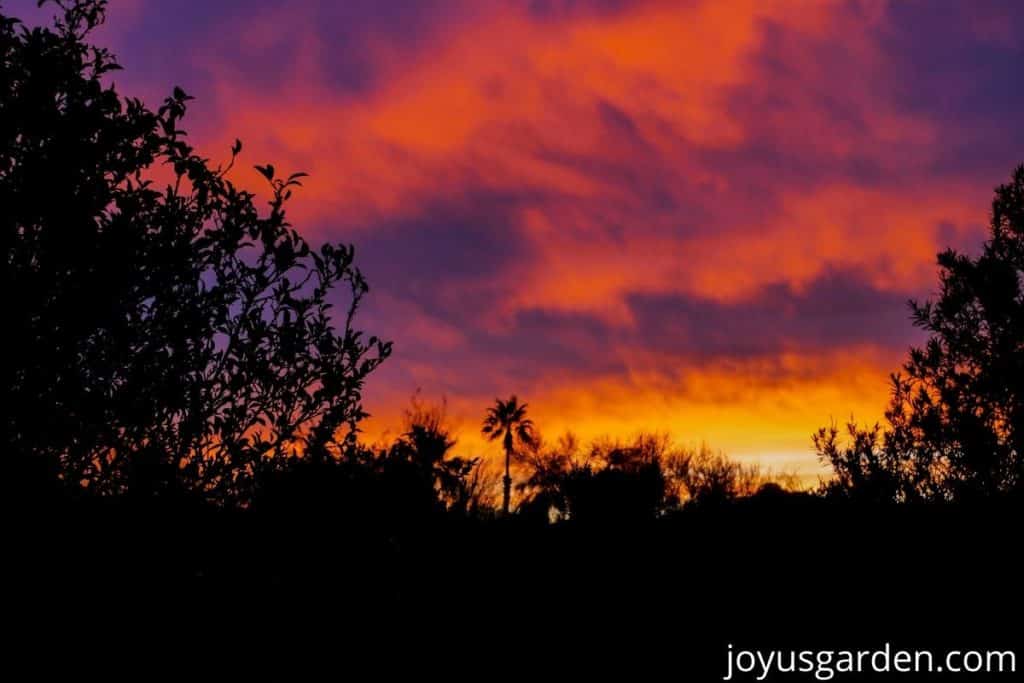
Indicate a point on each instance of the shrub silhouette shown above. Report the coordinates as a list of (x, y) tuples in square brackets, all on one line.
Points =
[(414, 479), (424, 450), (863, 469), (640, 479), (705, 477), (623, 483), (956, 417), (609, 482), (170, 322)]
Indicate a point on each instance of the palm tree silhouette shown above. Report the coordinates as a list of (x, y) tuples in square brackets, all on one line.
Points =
[(506, 420)]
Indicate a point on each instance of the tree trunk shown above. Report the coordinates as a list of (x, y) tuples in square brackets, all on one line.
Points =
[(507, 481)]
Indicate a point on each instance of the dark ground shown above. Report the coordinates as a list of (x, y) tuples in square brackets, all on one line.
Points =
[(150, 590)]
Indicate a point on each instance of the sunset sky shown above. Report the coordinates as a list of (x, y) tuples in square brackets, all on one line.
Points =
[(704, 217)]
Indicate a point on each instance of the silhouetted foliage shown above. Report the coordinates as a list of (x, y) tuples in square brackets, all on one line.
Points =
[(640, 479), (864, 471), (956, 418), (618, 482), (425, 447), (412, 480), (162, 320), (706, 477)]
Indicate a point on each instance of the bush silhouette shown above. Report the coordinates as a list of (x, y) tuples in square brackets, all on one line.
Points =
[(956, 418), (706, 477), (167, 321)]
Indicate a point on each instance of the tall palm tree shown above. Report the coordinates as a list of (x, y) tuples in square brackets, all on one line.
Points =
[(506, 420)]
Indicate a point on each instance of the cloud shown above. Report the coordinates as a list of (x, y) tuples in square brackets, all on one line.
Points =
[(698, 215)]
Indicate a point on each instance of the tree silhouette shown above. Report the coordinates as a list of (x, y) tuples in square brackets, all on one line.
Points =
[(506, 421), (956, 418), (864, 470), (163, 320), (642, 478), (707, 477), (425, 448), (609, 482)]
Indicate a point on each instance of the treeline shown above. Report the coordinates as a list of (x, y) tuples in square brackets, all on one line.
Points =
[(645, 477), (607, 479)]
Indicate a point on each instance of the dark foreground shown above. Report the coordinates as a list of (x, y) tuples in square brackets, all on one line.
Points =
[(148, 591)]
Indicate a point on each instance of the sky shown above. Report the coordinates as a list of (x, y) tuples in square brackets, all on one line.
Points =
[(696, 216)]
